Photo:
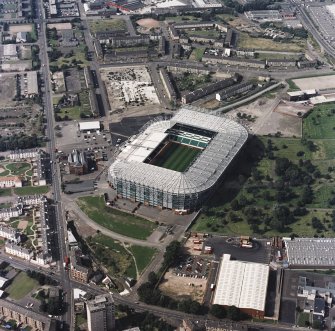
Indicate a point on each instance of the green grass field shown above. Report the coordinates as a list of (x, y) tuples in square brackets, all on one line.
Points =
[(176, 157), (113, 255), (29, 190), (143, 256), (21, 286), (320, 123), (5, 192), (108, 25), (115, 220), (18, 168)]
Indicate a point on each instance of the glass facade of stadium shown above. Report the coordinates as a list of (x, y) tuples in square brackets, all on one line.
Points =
[(134, 178), (159, 198)]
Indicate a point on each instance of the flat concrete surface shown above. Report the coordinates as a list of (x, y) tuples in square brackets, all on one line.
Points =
[(259, 253)]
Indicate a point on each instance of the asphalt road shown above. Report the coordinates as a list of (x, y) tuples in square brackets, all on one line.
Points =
[(56, 177)]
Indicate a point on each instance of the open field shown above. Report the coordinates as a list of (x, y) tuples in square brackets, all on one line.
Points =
[(21, 286), (320, 124), (319, 82), (20, 28), (176, 157), (179, 288), (148, 23), (143, 256), (107, 25), (204, 33), (245, 41), (113, 255), (197, 54), (29, 190), (5, 192), (115, 220)]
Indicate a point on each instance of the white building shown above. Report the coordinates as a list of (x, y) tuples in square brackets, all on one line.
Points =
[(31, 200), (18, 251), (243, 285), (43, 259), (10, 234), (10, 181), (22, 154), (7, 213), (89, 126)]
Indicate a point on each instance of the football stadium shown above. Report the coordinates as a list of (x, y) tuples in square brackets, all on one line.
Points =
[(176, 163)]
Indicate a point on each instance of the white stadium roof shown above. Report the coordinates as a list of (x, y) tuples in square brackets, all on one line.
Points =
[(205, 170), (242, 284)]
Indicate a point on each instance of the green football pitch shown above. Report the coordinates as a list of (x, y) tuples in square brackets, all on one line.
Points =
[(176, 157)]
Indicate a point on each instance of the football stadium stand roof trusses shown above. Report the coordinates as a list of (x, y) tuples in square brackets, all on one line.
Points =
[(202, 174)]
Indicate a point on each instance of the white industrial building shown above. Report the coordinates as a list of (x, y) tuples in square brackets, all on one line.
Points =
[(310, 252), (243, 285), (89, 126)]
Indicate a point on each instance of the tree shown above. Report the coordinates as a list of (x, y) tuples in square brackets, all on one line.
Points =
[(218, 311), (233, 313), (171, 253), (153, 278), (281, 217)]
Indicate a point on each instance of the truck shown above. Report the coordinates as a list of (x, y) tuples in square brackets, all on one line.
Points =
[(212, 287)]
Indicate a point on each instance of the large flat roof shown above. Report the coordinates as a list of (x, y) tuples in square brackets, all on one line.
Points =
[(89, 125), (241, 284), (204, 171), (310, 251)]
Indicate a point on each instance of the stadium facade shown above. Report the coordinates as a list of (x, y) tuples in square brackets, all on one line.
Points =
[(176, 163)]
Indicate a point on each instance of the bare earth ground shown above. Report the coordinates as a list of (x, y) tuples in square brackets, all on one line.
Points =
[(21, 28), (7, 89), (2, 169), (22, 225), (148, 23), (178, 287), (319, 83), (268, 120)]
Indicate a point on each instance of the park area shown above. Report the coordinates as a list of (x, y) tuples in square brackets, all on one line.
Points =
[(115, 220), (21, 286), (120, 259), (280, 186)]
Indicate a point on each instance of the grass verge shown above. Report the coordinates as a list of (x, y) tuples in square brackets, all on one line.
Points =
[(21, 286), (29, 190), (115, 220)]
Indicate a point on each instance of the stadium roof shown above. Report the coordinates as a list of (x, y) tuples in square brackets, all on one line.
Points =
[(205, 170), (241, 284), (311, 251)]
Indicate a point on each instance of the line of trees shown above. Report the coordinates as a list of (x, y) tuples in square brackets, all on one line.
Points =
[(20, 141)]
